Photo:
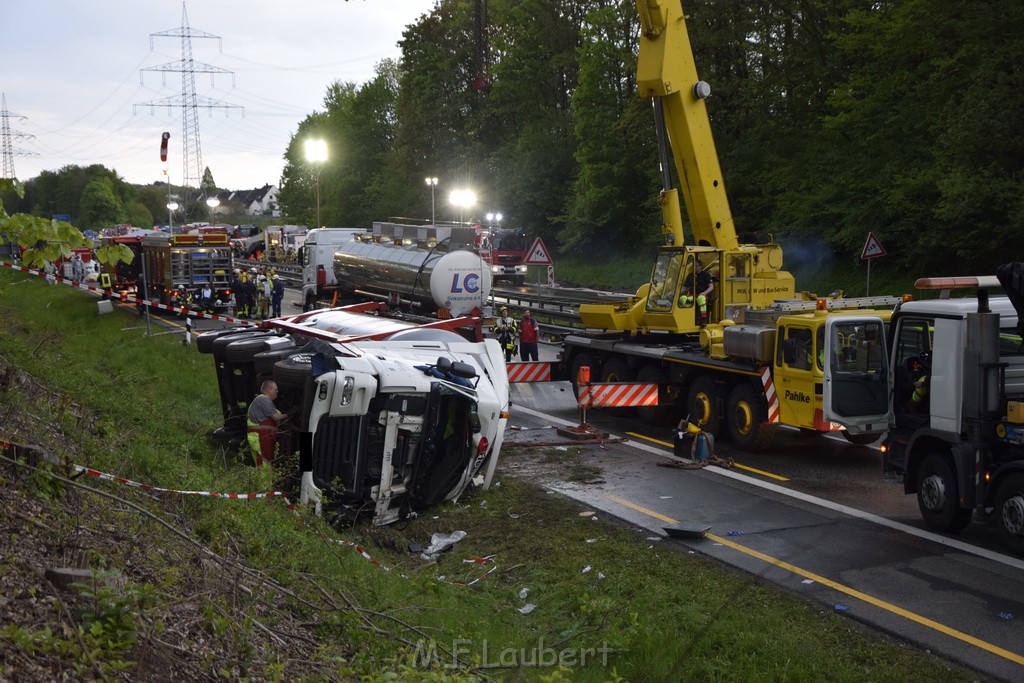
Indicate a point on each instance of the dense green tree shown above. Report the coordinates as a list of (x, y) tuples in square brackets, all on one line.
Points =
[(100, 205)]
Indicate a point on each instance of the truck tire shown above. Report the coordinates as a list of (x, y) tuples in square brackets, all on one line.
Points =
[(747, 419), (616, 370), (245, 349), (294, 370), (661, 414), (309, 303), (582, 360), (861, 439), (937, 495), (204, 341), (1009, 511), (702, 404)]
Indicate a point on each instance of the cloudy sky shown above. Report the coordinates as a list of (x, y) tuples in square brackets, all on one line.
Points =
[(74, 77)]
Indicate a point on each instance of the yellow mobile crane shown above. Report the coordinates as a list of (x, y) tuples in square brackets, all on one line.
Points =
[(756, 356), (749, 274)]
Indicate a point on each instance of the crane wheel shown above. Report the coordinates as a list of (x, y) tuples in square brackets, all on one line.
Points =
[(747, 419)]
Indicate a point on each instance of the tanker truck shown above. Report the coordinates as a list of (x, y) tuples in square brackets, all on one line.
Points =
[(387, 418), (424, 268)]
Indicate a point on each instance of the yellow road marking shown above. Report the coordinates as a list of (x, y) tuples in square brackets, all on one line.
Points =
[(735, 464), (852, 592)]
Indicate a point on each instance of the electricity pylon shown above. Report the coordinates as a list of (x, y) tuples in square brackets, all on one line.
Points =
[(188, 101)]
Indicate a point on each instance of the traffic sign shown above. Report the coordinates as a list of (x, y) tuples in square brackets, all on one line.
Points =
[(872, 248), (538, 254)]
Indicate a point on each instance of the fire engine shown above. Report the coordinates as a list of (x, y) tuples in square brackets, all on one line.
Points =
[(504, 250), (177, 266)]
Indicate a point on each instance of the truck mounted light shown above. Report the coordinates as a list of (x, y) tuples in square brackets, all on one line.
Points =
[(482, 446), (346, 390)]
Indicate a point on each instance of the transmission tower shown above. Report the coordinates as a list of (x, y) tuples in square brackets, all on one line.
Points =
[(188, 101), (8, 136)]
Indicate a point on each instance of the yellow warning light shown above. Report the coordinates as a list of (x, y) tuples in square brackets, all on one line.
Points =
[(822, 304), (908, 297)]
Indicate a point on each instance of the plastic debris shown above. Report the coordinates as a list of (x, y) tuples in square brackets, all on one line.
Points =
[(561, 448), (600, 575), (654, 538), (483, 503), (841, 608), (807, 581), (585, 569), (497, 484), (513, 515), (734, 533), (523, 593), (664, 497), (1005, 615), (527, 608), (586, 513), (441, 542), (593, 540)]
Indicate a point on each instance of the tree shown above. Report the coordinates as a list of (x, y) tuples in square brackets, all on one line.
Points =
[(100, 206), (207, 187)]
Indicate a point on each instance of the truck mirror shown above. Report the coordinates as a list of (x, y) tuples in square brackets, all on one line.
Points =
[(444, 364), (464, 370)]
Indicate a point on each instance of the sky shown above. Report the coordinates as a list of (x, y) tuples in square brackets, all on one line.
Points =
[(72, 73)]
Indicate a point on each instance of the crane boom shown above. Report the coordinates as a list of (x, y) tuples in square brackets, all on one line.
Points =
[(666, 72), (743, 275)]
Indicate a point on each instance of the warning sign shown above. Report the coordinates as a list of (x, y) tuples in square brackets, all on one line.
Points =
[(872, 248), (538, 254)]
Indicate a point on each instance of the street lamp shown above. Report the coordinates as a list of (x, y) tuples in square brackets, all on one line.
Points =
[(432, 182), (213, 203), (171, 208), (463, 199), (316, 153)]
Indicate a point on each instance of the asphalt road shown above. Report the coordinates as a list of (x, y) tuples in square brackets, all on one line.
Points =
[(830, 529)]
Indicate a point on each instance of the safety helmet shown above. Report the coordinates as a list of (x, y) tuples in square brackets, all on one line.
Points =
[(504, 309)]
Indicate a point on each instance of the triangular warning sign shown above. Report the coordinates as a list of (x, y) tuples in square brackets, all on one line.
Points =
[(538, 254), (872, 248)]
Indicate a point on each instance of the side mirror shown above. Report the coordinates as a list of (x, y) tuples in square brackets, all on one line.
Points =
[(464, 370), (444, 364)]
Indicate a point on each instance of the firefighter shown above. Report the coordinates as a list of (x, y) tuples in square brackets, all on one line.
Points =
[(529, 331), (236, 290), (919, 380), (261, 423), (263, 297), (249, 293), (506, 328), (276, 297)]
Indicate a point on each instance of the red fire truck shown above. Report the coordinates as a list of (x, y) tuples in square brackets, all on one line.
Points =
[(504, 249), (178, 267)]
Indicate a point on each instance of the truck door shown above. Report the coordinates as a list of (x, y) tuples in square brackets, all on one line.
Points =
[(856, 384), (794, 374)]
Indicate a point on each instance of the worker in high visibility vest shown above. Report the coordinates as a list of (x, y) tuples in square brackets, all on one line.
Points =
[(261, 424)]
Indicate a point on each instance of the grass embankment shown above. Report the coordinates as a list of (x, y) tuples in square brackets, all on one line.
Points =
[(261, 593)]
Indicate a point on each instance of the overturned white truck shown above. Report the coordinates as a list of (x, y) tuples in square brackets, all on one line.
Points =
[(387, 417)]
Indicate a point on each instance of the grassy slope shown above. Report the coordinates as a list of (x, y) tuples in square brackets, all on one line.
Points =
[(142, 407)]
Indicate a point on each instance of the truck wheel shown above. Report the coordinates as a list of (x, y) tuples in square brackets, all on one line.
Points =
[(245, 349), (616, 370), (861, 439), (309, 303), (661, 414), (747, 419), (1010, 511), (937, 495), (294, 370), (582, 360), (703, 404)]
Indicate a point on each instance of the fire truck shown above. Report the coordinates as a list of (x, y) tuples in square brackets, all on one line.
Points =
[(177, 266), (504, 250)]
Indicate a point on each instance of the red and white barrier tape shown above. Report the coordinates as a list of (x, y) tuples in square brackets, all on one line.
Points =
[(147, 487), (125, 298)]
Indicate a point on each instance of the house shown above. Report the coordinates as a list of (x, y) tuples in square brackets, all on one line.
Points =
[(259, 202)]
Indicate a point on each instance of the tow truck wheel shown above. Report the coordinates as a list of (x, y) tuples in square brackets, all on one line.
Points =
[(861, 439), (1010, 511), (293, 370), (747, 419), (309, 303), (660, 414), (582, 360), (703, 405), (937, 495)]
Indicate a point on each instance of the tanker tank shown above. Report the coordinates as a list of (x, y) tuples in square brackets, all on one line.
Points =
[(432, 266)]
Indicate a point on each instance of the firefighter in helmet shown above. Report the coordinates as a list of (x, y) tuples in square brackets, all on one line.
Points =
[(506, 328)]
